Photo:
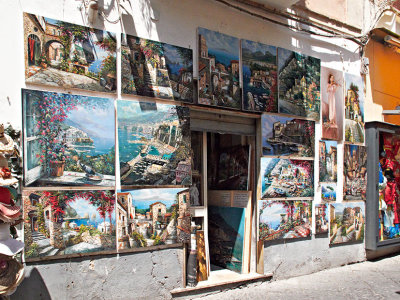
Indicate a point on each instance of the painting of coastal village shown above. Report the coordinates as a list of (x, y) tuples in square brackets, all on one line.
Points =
[(285, 136), (328, 191), (260, 77), (218, 69), (354, 109), (327, 161), (68, 222), (68, 55), (284, 220), (299, 84), (151, 217), (347, 223), (154, 69), (287, 178), (321, 219), (69, 139), (355, 172), (154, 144)]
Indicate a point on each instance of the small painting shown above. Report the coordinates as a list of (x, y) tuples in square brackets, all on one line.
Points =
[(283, 136), (354, 109), (321, 219), (68, 55), (347, 223), (154, 145), (68, 222), (355, 172), (260, 79), (284, 220), (154, 69), (328, 192), (218, 69), (68, 139), (287, 178), (327, 161), (332, 85)]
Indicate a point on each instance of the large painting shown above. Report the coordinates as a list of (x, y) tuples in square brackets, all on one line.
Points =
[(67, 55), (355, 172), (328, 192), (327, 161), (218, 69), (284, 220), (68, 222), (152, 217), (154, 69), (285, 136), (354, 109), (332, 85), (260, 80), (347, 222), (299, 84), (287, 178), (321, 219), (68, 139), (154, 144)]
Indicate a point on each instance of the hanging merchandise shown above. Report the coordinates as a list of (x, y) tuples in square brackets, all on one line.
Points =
[(6, 148), (9, 212), (11, 274)]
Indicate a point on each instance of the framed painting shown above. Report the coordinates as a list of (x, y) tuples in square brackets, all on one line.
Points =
[(354, 109), (327, 161), (328, 192), (321, 219), (355, 172)]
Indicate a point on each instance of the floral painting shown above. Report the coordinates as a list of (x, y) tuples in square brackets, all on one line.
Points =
[(328, 191), (355, 172), (69, 139), (354, 109), (321, 218), (327, 161)]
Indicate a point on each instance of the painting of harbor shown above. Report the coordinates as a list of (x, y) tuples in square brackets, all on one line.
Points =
[(283, 136), (154, 144), (68, 222), (355, 172), (218, 69), (354, 109), (260, 79), (286, 178), (284, 220), (69, 139), (328, 191), (327, 161), (154, 69), (68, 55), (321, 219), (151, 217)]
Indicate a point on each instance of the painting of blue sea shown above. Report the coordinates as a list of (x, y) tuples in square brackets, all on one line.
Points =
[(328, 191)]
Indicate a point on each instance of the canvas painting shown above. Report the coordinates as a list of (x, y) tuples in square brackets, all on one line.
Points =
[(328, 191), (285, 136), (68, 139), (260, 77), (68, 222), (332, 85), (327, 161), (68, 55), (154, 69), (287, 178), (151, 217), (355, 172), (321, 218), (284, 220), (218, 69), (299, 84), (154, 145), (347, 222), (354, 109)]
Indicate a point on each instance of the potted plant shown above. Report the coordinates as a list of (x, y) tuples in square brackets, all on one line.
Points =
[(56, 159), (42, 61)]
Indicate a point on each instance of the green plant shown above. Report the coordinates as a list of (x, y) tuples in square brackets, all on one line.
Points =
[(157, 241), (139, 238), (33, 250)]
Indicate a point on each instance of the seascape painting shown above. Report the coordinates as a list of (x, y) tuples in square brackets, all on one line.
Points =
[(321, 219), (328, 191), (354, 109), (327, 161), (355, 172)]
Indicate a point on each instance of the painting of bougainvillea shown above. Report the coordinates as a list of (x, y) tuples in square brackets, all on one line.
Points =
[(321, 218), (68, 222), (68, 139)]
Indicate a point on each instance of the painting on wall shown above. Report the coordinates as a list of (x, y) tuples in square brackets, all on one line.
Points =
[(218, 69), (284, 220), (355, 172), (285, 136), (327, 161), (284, 178), (321, 219), (154, 145), (354, 109), (154, 69), (347, 222), (151, 217), (328, 191), (299, 84), (68, 222), (260, 80), (68, 139), (68, 55), (332, 85)]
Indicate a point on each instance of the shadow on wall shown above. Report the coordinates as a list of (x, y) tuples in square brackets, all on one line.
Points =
[(33, 283)]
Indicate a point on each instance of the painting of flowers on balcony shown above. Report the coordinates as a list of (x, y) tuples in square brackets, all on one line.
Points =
[(68, 139), (68, 55), (155, 69)]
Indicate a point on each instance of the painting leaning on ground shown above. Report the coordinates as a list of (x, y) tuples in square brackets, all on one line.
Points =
[(68, 55)]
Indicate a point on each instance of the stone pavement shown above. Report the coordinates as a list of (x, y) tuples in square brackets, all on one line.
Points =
[(378, 279)]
